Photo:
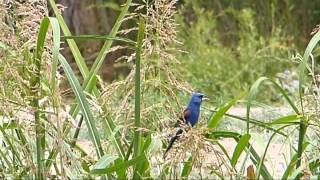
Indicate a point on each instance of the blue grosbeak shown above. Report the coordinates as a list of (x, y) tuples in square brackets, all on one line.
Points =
[(190, 116)]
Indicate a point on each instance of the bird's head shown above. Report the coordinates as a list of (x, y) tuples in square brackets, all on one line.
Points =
[(197, 98)]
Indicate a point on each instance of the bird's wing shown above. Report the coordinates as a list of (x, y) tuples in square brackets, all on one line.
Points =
[(186, 114), (183, 119)]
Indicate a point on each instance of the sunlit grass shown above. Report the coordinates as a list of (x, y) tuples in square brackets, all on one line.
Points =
[(127, 122)]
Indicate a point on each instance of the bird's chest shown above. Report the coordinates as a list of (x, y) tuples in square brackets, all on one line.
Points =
[(194, 116)]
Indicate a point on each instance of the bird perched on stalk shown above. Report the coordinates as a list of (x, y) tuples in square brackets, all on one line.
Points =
[(190, 116)]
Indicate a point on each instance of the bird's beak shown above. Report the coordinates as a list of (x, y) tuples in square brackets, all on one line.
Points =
[(205, 98)]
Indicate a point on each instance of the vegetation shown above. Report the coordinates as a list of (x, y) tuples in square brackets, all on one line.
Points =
[(128, 121)]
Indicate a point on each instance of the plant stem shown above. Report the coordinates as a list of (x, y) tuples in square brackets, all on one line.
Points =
[(302, 132), (137, 123)]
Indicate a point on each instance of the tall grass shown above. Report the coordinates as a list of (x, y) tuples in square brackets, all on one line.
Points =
[(122, 113)]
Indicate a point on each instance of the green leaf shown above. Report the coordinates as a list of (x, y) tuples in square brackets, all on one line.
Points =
[(89, 81), (307, 53), (85, 166), (35, 82), (83, 104), (215, 119), (254, 91), (80, 64), (9, 125), (72, 44), (290, 168), (119, 165), (302, 75), (121, 173), (100, 37), (265, 152), (255, 157), (187, 168), (224, 134), (257, 123), (141, 169), (112, 136), (56, 48), (42, 36), (290, 119), (146, 143), (242, 144), (104, 162)]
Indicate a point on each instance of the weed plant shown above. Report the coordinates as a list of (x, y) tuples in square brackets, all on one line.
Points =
[(126, 123)]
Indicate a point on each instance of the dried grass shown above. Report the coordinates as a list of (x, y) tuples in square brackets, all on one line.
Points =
[(205, 153)]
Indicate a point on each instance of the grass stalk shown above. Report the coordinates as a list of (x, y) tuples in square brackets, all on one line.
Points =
[(89, 83), (36, 93), (84, 105), (137, 110), (72, 44), (302, 132), (302, 67)]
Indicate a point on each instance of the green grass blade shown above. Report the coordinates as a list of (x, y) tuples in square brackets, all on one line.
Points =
[(142, 170), (302, 132), (104, 162), (42, 36), (106, 46), (224, 134), (313, 163), (81, 65), (254, 91), (214, 121), (256, 122), (89, 81), (307, 53), (112, 136), (36, 90), (72, 44), (242, 144), (10, 144), (100, 37), (83, 104), (290, 119), (256, 159), (187, 168), (5, 162), (137, 134), (303, 65), (290, 168), (137, 110), (258, 171), (120, 165), (236, 136), (55, 51)]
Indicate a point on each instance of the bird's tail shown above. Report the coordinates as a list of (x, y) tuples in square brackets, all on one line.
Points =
[(172, 140)]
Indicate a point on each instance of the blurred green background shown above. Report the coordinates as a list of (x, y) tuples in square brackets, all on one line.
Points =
[(226, 45)]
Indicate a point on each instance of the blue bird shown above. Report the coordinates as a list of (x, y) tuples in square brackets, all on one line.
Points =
[(190, 116)]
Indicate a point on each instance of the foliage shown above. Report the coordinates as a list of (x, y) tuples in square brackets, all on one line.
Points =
[(234, 60), (125, 120)]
